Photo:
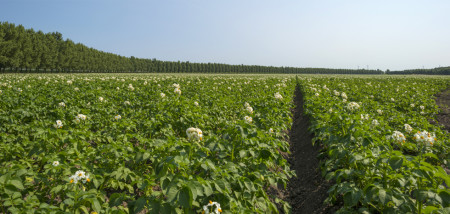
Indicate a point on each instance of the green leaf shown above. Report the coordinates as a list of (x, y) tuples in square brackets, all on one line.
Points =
[(96, 205), (116, 199), (445, 195), (351, 198), (429, 209), (17, 183), (56, 189), (382, 196), (395, 162), (139, 205), (185, 197), (171, 193)]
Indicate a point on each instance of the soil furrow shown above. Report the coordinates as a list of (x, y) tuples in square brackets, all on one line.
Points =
[(308, 190)]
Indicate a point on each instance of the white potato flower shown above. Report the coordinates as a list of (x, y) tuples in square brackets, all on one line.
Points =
[(76, 89), (127, 102), (248, 119), (55, 163), (364, 116), (398, 137), (100, 99), (246, 105), (353, 106), (176, 85), (194, 134), (162, 95), (249, 109), (344, 95), (196, 103), (217, 209), (412, 105), (408, 128), (118, 117), (177, 91), (58, 124), (79, 175), (375, 122), (424, 137), (62, 104), (278, 96), (422, 107), (380, 112)]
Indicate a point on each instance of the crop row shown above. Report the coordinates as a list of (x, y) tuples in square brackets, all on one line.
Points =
[(382, 147), (152, 143)]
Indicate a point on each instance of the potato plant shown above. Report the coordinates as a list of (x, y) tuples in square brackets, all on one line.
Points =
[(102, 143), (383, 150)]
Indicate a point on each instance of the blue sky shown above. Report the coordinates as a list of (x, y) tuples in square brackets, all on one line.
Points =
[(326, 33)]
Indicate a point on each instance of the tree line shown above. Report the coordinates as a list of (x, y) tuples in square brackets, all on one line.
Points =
[(26, 51), (432, 71)]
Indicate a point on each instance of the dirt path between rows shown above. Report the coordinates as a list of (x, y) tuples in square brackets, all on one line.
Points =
[(307, 191), (443, 101)]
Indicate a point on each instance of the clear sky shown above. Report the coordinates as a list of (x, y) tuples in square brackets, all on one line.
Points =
[(382, 34)]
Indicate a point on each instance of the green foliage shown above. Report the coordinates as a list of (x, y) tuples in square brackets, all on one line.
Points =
[(144, 161), (374, 172)]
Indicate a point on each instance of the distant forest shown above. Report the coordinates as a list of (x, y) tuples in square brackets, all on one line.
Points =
[(28, 51)]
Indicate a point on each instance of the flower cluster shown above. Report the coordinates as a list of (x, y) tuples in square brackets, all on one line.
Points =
[(248, 119), (130, 86), (425, 138), (344, 96), (79, 117), (375, 122), (217, 210), (62, 104), (196, 103), (398, 137), (118, 117), (162, 95), (353, 106), (177, 91), (408, 128), (126, 102), (249, 109), (380, 112), (58, 124), (55, 163), (79, 175), (194, 134), (100, 99), (278, 96), (364, 116)]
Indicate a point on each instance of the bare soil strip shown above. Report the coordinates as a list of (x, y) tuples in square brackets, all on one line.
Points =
[(443, 101), (308, 190)]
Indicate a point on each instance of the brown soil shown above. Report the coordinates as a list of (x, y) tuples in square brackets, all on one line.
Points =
[(443, 101), (306, 192)]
